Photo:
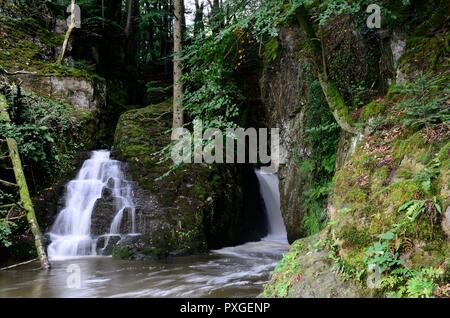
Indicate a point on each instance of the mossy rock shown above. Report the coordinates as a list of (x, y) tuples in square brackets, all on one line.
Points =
[(204, 205), (372, 109), (306, 271), (121, 252)]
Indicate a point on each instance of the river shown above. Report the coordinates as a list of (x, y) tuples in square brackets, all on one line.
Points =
[(77, 271), (239, 271)]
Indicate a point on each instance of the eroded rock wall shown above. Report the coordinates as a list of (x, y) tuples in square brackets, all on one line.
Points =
[(192, 209)]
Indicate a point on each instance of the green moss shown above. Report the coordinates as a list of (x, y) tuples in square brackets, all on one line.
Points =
[(155, 253), (424, 53), (337, 104), (24, 44), (354, 260), (354, 235), (379, 178), (402, 191), (347, 193), (271, 50), (408, 146), (372, 109), (287, 269), (121, 252)]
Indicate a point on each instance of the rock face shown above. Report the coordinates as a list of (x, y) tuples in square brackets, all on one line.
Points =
[(311, 274), (192, 209), (379, 174), (284, 109), (78, 92), (294, 103), (86, 95)]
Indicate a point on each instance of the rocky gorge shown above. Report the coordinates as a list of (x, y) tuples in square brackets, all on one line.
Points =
[(350, 202)]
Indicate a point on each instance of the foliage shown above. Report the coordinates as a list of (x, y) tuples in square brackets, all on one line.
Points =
[(286, 271), (211, 93), (399, 280), (405, 282), (423, 282), (48, 135), (7, 202), (46, 132), (6, 228), (319, 164), (425, 102), (380, 253)]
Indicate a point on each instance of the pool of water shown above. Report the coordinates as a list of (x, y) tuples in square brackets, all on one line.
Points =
[(239, 271)]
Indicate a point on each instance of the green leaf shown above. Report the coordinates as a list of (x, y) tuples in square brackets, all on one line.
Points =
[(387, 236), (405, 205)]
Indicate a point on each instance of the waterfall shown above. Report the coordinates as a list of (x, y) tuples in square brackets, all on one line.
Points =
[(268, 184), (70, 235)]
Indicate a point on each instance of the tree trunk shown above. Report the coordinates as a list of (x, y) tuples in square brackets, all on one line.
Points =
[(335, 101), (164, 36), (71, 26), (113, 10), (151, 34), (216, 20), (130, 34), (198, 20), (23, 188), (177, 67)]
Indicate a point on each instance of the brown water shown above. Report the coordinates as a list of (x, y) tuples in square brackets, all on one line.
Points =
[(239, 271)]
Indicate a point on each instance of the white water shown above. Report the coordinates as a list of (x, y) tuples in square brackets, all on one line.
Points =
[(268, 184), (238, 271), (71, 232)]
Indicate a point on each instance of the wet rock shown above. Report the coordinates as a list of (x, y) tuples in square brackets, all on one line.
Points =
[(107, 194), (106, 243), (102, 216), (128, 239), (192, 209), (126, 225)]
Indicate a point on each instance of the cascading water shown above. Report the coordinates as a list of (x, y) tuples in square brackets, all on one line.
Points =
[(237, 271), (71, 233), (268, 184)]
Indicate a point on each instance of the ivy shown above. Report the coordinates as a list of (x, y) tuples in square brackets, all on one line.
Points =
[(46, 132)]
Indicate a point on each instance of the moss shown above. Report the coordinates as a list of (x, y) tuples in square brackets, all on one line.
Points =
[(287, 269), (402, 191), (121, 252), (271, 50), (26, 44), (379, 178), (337, 104), (354, 235), (424, 53), (410, 145), (347, 192), (354, 259), (372, 109), (155, 253)]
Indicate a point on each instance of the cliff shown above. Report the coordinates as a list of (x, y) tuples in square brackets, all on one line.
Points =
[(378, 200)]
